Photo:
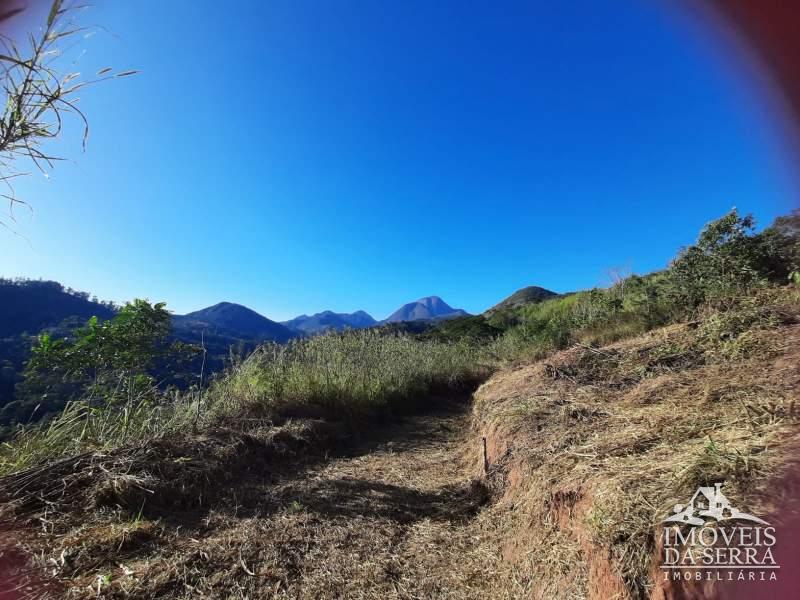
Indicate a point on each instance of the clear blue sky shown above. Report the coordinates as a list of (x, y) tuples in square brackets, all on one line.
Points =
[(299, 156)]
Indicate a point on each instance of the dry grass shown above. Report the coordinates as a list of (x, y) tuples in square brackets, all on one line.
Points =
[(589, 448), (593, 446), (388, 518)]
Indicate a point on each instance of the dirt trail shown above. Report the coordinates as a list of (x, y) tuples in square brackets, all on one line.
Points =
[(394, 518), (390, 521)]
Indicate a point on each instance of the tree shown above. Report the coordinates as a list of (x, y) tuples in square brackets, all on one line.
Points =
[(112, 359), (780, 245), (38, 96), (726, 260)]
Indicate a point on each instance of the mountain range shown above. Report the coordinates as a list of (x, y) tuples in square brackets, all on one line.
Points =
[(430, 308), (28, 307), (230, 322), (329, 321)]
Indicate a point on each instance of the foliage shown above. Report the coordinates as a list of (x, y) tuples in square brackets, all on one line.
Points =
[(725, 261), (38, 97), (780, 244), (728, 261), (475, 328), (107, 359), (29, 308)]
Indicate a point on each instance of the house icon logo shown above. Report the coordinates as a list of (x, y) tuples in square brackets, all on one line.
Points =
[(709, 503)]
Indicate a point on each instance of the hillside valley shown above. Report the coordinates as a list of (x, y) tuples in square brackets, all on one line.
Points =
[(409, 508), (546, 448), (214, 335)]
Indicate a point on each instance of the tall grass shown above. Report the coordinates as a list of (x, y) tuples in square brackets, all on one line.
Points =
[(90, 425), (353, 375), (542, 328), (357, 373)]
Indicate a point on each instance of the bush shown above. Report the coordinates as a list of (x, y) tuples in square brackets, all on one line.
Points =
[(780, 249), (727, 260)]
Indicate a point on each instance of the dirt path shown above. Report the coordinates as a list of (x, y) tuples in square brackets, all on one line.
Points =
[(395, 518), (392, 522)]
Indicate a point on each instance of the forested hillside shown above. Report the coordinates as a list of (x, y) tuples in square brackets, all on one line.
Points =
[(28, 308), (32, 305)]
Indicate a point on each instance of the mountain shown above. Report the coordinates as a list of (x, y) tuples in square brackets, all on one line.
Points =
[(527, 295), (230, 320), (28, 307), (31, 306), (329, 320), (425, 309)]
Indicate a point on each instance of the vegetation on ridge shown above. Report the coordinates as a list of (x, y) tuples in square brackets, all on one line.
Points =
[(356, 374), (117, 466)]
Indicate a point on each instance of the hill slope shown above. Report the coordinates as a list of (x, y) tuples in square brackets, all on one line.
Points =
[(424, 309), (329, 320), (27, 308), (31, 306), (527, 295), (593, 447), (582, 453), (231, 320)]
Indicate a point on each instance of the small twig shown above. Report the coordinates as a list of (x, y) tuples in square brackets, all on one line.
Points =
[(202, 372), (555, 373), (244, 566), (595, 350)]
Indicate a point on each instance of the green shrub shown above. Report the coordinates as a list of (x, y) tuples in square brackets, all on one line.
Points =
[(475, 328), (727, 260)]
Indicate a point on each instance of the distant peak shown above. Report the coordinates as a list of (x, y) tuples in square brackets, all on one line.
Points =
[(328, 320), (225, 305), (238, 320), (531, 294), (427, 308)]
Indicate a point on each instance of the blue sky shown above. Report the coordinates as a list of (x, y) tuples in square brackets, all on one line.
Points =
[(299, 156)]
